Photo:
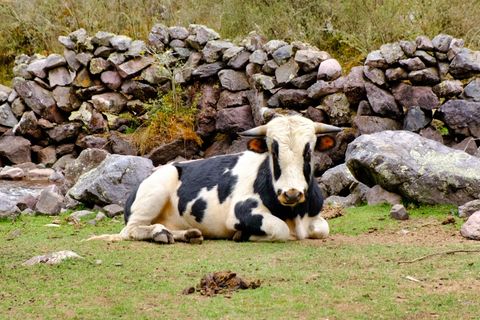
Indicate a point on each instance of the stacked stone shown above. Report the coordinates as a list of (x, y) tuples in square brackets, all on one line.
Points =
[(422, 86), (62, 104)]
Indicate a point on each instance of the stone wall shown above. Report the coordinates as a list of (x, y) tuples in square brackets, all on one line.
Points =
[(87, 96)]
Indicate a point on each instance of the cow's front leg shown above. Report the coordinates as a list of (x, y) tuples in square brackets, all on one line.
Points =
[(256, 224), (318, 228), (155, 232)]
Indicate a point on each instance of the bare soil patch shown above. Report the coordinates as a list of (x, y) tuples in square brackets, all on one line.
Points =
[(422, 232)]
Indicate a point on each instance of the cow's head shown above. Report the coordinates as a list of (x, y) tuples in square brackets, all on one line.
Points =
[(290, 141)]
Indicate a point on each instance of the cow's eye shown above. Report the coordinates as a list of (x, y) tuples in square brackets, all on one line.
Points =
[(307, 153)]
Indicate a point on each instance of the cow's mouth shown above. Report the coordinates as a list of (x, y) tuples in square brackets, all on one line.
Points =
[(290, 203)]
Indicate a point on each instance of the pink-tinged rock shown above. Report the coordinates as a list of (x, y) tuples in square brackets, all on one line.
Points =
[(134, 66), (38, 68), (329, 69), (233, 80), (83, 79), (49, 202), (35, 97), (47, 155), (111, 79), (86, 161), (65, 98), (111, 102), (235, 119), (410, 96), (59, 77), (471, 228), (55, 60), (286, 72), (98, 65), (64, 131), (11, 173), (15, 149), (39, 174)]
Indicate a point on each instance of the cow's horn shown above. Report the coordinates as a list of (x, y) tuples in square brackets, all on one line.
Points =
[(325, 128), (259, 131)]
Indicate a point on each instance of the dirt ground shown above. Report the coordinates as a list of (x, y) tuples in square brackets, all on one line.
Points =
[(426, 232)]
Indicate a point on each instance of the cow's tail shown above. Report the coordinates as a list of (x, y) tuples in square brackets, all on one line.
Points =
[(107, 237), (127, 212)]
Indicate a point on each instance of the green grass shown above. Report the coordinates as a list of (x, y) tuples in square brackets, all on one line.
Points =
[(349, 276), (346, 29)]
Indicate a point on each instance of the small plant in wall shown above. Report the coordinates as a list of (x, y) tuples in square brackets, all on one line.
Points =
[(171, 115)]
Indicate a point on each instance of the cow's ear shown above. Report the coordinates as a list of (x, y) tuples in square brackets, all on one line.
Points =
[(325, 143), (257, 145)]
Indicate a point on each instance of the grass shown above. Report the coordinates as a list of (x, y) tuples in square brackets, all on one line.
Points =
[(171, 117), (346, 29), (352, 275)]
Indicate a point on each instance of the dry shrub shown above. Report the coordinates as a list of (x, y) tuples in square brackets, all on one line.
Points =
[(170, 117)]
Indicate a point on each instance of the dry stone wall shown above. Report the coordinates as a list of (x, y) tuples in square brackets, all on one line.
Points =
[(87, 96)]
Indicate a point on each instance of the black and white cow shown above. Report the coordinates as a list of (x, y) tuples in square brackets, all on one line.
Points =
[(266, 193)]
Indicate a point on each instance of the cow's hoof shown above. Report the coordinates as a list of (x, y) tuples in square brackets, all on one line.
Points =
[(163, 236), (238, 236), (194, 236)]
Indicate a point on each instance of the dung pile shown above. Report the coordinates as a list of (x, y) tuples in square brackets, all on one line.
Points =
[(221, 282)]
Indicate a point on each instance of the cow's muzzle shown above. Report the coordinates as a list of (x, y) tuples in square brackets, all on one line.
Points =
[(291, 197)]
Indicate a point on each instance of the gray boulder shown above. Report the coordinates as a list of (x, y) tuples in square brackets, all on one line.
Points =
[(214, 49), (112, 180), (409, 96), (35, 97), (449, 88), (472, 90), (49, 202), (465, 64), (110, 102), (398, 212), (337, 107), (287, 71), (416, 119), (466, 210), (378, 195), (419, 169), (8, 208), (7, 118), (235, 119), (310, 59), (382, 101), (164, 153), (86, 161), (462, 116), (371, 124), (233, 80), (337, 181)]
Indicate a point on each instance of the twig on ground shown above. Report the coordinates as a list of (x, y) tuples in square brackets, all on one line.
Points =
[(438, 254)]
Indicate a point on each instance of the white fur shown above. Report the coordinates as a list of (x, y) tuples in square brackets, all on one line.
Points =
[(154, 213)]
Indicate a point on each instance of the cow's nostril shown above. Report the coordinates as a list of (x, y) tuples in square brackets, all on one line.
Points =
[(292, 195)]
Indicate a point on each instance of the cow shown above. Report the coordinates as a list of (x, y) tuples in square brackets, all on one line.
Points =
[(267, 193)]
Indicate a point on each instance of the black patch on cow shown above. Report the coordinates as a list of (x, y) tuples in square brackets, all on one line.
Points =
[(207, 173), (249, 224), (128, 205), (307, 167), (264, 187), (277, 172), (198, 209)]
